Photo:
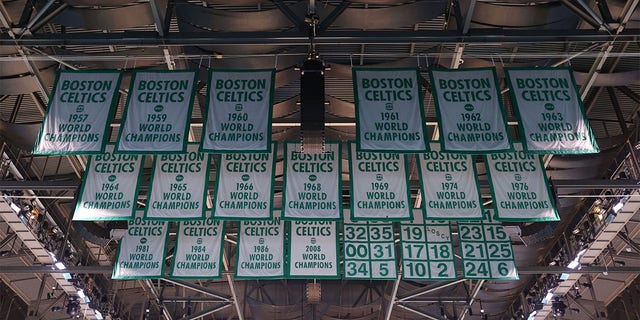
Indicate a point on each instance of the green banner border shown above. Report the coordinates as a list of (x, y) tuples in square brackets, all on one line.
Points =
[(427, 261), (219, 261), (289, 231)]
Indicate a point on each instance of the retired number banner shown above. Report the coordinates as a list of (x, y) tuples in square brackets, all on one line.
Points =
[(550, 111), (141, 253), (110, 187), (313, 250), (239, 104), (312, 187), (261, 249), (427, 250), (79, 113), (519, 187), (244, 186), (156, 118), (449, 185), (470, 111), (178, 185), (389, 110), (198, 249), (369, 250), (379, 186)]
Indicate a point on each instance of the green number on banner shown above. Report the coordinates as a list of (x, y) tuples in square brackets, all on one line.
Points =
[(356, 232), (363, 269), (502, 269), (473, 232), (470, 253), (417, 269), (408, 248), (378, 253), (359, 250), (503, 251), (443, 269), (496, 232), (351, 269), (375, 233), (474, 270), (413, 233), (440, 251), (384, 270)]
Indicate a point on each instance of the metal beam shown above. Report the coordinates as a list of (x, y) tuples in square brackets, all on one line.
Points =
[(208, 311), (616, 107), (417, 311), (427, 289)]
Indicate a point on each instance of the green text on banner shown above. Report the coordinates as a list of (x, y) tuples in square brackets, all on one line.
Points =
[(313, 250), (260, 249), (369, 250), (158, 110), (389, 110), (239, 104), (141, 253), (519, 187), (312, 183), (550, 111), (244, 186), (470, 111), (178, 185), (198, 249), (79, 113), (449, 185), (379, 186), (110, 186), (427, 250), (486, 250)]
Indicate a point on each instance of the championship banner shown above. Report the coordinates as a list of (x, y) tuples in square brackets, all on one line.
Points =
[(369, 250), (110, 187), (141, 253), (79, 113), (178, 185), (313, 250), (389, 110), (427, 250), (244, 185), (239, 104), (156, 117), (469, 110), (519, 187), (550, 111), (379, 186), (198, 249), (260, 249), (449, 185), (312, 183), (486, 250)]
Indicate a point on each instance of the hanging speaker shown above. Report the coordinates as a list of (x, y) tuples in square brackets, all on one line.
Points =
[(312, 106)]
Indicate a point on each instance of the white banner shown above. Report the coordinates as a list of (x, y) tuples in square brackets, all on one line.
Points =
[(312, 187), (519, 187), (239, 105), (156, 118), (550, 111), (260, 249), (179, 185), (141, 253), (449, 185), (379, 186), (427, 250), (369, 250), (198, 249), (110, 186), (469, 109), (313, 250), (79, 113), (244, 186), (389, 110)]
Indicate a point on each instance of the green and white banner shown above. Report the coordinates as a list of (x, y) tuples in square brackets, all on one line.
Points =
[(379, 186), (550, 111), (427, 250), (449, 185), (469, 109), (313, 250), (141, 253), (312, 183), (239, 104), (389, 110), (519, 187), (244, 186), (156, 118), (369, 250), (486, 250), (110, 187), (260, 249), (198, 249), (178, 185), (79, 113)]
